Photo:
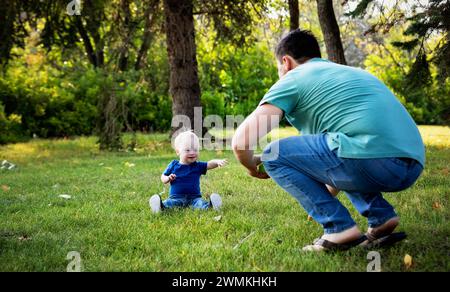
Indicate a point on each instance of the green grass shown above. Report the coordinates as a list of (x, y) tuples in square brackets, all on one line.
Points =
[(108, 221)]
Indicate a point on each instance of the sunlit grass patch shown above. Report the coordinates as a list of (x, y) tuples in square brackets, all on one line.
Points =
[(262, 228)]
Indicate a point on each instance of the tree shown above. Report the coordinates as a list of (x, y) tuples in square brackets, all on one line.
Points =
[(150, 20), (181, 49), (330, 30), (294, 14), (232, 20), (426, 24)]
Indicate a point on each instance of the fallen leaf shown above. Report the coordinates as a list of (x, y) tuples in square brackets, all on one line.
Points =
[(437, 205), (408, 261), (310, 218), (218, 218), (5, 188), (130, 164), (65, 196)]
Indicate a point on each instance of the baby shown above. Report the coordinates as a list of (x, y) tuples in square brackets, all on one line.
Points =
[(184, 177)]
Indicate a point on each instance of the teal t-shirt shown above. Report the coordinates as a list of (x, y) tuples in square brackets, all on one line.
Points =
[(362, 117)]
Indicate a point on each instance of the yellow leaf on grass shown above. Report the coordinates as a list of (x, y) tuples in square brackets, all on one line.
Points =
[(437, 205), (408, 261), (5, 188)]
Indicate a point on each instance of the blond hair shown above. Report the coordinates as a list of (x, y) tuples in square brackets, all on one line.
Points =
[(185, 137)]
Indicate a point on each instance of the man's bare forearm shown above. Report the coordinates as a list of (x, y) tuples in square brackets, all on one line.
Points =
[(245, 157)]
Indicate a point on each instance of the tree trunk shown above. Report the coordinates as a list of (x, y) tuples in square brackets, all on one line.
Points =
[(128, 34), (294, 14), (330, 30), (86, 41), (149, 17), (181, 49), (8, 13)]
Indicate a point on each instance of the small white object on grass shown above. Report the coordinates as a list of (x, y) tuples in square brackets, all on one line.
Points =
[(65, 196), (7, 165)]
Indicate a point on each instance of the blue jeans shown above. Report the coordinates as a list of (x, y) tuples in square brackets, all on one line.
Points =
[(196, 202), (304, 164)]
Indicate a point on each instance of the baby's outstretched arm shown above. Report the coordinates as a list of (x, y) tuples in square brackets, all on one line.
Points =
[(168, 178), (217, 163)]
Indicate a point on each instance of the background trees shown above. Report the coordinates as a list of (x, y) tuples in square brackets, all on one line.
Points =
[(330, 30), (127, 65)]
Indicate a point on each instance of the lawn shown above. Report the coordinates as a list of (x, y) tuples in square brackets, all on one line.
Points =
[(261, 228)]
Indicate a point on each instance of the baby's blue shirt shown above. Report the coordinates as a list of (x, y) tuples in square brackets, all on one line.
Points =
[(187, 180)]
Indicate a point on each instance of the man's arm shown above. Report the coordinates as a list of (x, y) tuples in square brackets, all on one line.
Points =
[(258, 124)]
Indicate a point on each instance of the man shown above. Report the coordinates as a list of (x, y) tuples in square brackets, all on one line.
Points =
[(356, 137)]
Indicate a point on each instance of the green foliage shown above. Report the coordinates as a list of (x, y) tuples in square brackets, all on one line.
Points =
[(51, 88), (414, 81), (10, 127), (63, 100), (234, 80), (360, 9)]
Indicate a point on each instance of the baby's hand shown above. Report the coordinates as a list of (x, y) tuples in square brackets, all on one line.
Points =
[(217, 163), (172, 177), (221, 162)]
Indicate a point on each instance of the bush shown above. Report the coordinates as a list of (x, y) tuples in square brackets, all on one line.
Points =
[(10, 127)]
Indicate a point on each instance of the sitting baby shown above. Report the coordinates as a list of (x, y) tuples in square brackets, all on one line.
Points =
[(184, 177)]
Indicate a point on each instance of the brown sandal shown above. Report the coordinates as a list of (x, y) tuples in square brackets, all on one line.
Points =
[(324, 245)]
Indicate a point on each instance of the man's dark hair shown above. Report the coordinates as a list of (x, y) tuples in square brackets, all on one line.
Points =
[(300, 45)]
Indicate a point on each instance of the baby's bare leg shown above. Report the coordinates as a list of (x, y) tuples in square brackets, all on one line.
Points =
[(333, 191)]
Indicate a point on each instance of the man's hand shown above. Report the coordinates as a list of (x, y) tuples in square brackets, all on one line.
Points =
[(254, 171), (257, 174), (172, 177), (258, 124)]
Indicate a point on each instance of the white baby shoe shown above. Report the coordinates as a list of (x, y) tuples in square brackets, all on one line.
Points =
[(155, 203), (216, 201)]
